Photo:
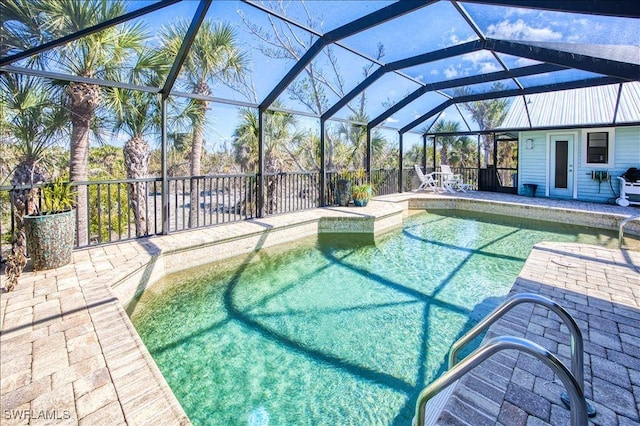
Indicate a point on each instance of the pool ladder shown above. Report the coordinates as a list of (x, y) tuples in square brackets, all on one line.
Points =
[(573, 379), (621, 228)]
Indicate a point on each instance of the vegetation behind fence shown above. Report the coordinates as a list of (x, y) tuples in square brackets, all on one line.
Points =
[(124, 209)]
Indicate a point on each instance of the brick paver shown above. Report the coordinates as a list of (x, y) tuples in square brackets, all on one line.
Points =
[(54, 367), (532, 391), (70, 355)]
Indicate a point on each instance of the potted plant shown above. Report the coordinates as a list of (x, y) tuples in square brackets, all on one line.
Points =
[(361, 194), (50, 232)]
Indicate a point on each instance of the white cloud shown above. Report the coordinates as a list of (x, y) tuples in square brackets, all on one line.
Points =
[(583, 21), (487, 67), (450, 72), (583, 30), (519, 11), (434, 72), (575, 38), (483, 61), (391, 120), (450, 38), (477, 57), (519, 30), (524, 62)]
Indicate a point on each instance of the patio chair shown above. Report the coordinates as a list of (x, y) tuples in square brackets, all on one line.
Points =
[(426, 181), (452, 182)]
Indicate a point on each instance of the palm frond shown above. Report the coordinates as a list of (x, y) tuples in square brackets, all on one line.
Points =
[(32, 117)]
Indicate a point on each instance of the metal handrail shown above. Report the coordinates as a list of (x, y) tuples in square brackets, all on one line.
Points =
[(577, 345), (621, 228), (576, 394)]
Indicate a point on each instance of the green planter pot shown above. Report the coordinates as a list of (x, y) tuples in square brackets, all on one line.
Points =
[(358, 202), (50, 239), (361, 195)]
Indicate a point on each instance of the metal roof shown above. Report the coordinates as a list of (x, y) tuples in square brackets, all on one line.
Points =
[(585, 106)]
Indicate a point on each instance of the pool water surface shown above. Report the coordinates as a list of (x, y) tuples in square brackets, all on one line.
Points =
[(334, 331)]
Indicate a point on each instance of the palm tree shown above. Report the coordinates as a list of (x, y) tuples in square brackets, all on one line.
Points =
[(98, 55), (414, 155), (136, 114), (22, 25), (278, 128), (34, 121), (278, 134), (214, 55), (356, 137), (488, 114), (463, 151), (245, 142), (446, 142)]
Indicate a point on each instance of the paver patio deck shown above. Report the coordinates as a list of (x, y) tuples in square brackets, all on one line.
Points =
[(600, 288), (70, 355)]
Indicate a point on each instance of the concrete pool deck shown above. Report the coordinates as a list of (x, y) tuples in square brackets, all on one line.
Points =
[(70, 355)]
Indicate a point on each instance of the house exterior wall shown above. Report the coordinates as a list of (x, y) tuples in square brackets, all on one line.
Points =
[(532, 162), (534, 167)]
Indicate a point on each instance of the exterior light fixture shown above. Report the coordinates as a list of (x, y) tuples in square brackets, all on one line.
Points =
[(529, 144)]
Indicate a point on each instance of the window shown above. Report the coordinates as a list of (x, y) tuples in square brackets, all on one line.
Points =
[(598, 148)]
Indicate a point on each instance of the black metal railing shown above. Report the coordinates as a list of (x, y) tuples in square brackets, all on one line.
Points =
[(109, 215), (119, 210), (218, 199), (469, 175), (385, 181), (289, 192), (124, 209)]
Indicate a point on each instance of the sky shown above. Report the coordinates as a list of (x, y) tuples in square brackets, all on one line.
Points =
[(434, 27), (431, 28)]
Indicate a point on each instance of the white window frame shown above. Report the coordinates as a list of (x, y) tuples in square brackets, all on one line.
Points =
[(610, 154)]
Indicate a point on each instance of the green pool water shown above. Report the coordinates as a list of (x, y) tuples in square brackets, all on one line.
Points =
[(336, 331)]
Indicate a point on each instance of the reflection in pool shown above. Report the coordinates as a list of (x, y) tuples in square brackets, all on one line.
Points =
[(336, 331)]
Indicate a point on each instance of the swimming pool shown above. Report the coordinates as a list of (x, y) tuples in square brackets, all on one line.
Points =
[(336, 331)]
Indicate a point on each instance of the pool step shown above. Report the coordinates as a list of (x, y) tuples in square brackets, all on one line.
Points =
[(436, 404), (572, 379)]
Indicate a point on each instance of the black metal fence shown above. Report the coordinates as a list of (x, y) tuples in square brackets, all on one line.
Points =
[(124, 209), (108, 213), (290, 192), (383, 181), (218, 199), (119, 210), (469, 175)]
